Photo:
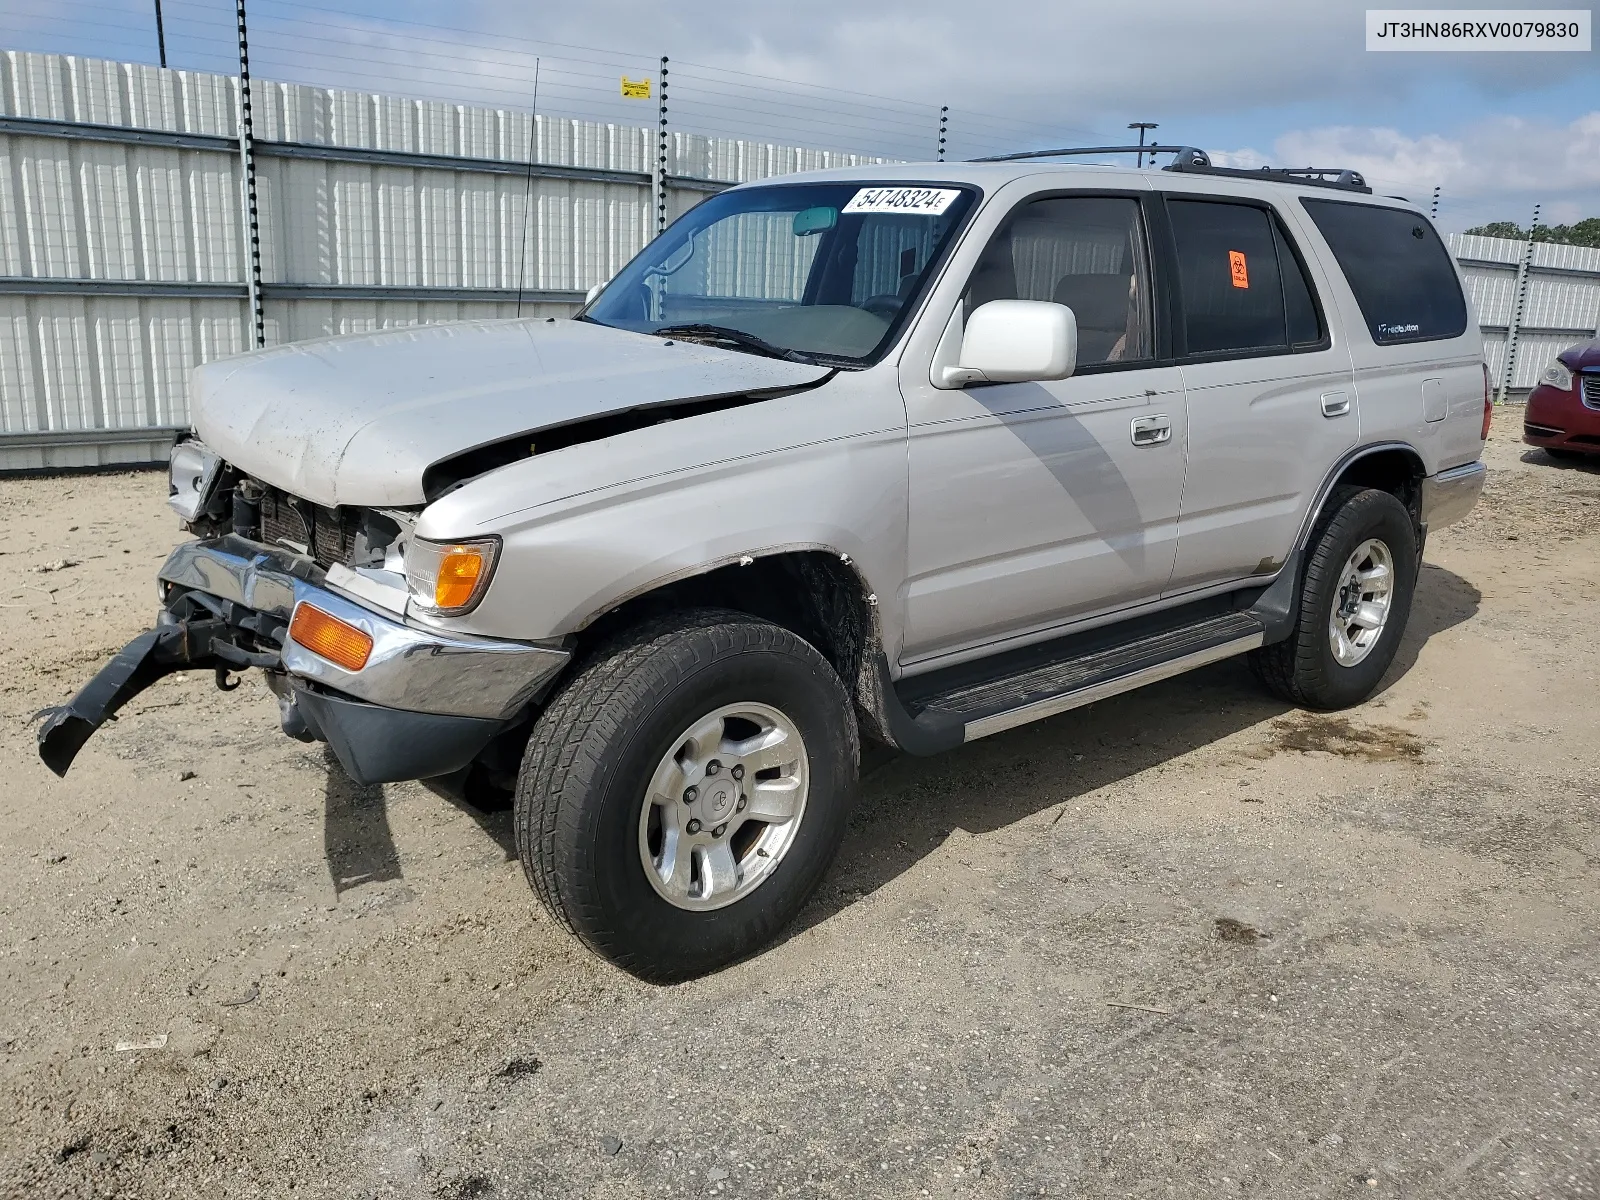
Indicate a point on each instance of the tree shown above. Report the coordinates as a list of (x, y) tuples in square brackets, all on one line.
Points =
[(1501, 229), (1581, 233)]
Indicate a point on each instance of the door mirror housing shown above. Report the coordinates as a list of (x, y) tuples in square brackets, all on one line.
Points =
[(1016, 341), (593, 293)]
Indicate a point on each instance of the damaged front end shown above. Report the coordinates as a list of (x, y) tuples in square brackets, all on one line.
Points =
[(417, 703)]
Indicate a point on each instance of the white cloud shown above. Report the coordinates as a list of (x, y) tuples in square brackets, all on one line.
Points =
[(1499, 167)]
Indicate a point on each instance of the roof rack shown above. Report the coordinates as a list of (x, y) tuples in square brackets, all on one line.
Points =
[(1152, 149), (1188, 160)]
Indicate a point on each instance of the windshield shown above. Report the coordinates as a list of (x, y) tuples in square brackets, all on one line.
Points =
[(820, 271)]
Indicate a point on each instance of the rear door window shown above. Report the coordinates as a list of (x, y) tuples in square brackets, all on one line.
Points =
[(1397, 267), (1229, 278)]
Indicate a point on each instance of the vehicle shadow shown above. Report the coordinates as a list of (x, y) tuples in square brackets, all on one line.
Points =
[(356, 840), (1542, 458), (489, 810), (1443, 600), (908, 806)]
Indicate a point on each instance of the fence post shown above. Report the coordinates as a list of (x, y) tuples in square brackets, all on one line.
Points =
[(256, 330), (661, 155), (161, 36), (1517, 311), (944, 125)]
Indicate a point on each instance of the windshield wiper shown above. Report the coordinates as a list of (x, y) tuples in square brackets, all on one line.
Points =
[(726, 333)]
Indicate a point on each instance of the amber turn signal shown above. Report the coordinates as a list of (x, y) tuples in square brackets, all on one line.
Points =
[(337, 641), (448, 577), (459, 572)]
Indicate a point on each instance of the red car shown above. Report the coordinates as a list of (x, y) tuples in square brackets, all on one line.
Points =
[(1563, 414)]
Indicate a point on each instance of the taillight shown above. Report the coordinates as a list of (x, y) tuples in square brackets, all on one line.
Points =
[(1488, 405)]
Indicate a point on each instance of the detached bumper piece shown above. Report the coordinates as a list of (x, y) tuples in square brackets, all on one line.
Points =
[(420, 703), (153, 655)]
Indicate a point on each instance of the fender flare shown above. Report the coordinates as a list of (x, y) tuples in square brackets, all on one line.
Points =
[(1331, 480)]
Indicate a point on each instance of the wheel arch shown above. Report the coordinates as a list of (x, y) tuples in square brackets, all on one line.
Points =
[(816, 592), (1393, 467)]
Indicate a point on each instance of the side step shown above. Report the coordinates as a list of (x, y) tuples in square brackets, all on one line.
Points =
[(990, 706)]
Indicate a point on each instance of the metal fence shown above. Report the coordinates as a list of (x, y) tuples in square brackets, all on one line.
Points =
[(123, 238), (1532, 301)]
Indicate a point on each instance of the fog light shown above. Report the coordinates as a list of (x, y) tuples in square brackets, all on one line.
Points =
[(340, 642)]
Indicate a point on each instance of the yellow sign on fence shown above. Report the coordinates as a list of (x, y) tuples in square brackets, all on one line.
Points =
[(635, 89)]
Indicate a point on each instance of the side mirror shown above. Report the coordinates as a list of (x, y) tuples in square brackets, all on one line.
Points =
[(593, 293), (1016, 341)]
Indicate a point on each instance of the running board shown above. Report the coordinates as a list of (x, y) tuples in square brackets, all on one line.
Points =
[(977, 710)]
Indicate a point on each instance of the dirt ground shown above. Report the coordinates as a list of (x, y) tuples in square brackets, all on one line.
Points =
[(1184, 943)]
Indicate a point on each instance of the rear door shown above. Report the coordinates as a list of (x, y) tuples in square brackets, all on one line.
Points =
[(1419, 361), (1267, 384)]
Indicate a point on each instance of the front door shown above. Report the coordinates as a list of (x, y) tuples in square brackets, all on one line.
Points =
[(1036, 504)]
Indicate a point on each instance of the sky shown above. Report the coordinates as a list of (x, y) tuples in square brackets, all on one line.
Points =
[(1253, 82)]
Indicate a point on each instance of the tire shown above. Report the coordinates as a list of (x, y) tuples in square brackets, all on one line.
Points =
[(1305, 668), (1562, 454), (589, 810)]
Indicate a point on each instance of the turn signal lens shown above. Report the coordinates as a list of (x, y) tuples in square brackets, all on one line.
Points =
[(446, 577), (340, 642), (460, 571)]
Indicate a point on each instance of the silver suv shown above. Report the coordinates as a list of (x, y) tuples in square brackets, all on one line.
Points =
[(913, 454)]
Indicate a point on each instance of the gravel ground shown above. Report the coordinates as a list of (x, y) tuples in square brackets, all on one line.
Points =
[(1187, 942)]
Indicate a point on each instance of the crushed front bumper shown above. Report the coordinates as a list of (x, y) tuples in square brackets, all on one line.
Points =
[(426, 703)]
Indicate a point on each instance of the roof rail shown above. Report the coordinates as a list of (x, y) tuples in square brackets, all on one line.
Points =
[(1152, 149), (1188, 160), (1197, 162)]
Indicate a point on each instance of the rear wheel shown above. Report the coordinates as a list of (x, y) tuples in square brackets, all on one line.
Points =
[(682, 796), (1354, 602)]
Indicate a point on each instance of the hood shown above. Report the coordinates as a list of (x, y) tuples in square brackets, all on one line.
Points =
[(356, 419), (1585, 356)]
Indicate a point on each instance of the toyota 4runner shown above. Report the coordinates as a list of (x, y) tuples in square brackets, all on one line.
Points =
[(913, 454)]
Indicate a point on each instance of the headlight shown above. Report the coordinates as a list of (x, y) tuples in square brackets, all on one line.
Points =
[(1557, 376), (449, 577), (191, 475)]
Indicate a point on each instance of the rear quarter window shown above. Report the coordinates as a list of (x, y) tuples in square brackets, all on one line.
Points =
[(1397, 267)]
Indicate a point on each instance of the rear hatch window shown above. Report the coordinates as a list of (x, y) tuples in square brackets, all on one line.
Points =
[(1397, 267)]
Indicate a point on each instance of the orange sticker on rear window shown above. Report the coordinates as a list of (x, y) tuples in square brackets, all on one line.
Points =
[(1241, 273)]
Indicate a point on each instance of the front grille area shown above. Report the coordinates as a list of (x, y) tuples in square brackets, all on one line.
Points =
[(1591, 390), (328, 533), (1540, 430)]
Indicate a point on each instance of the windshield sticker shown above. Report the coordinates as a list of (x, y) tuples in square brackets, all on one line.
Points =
[(921, 201), (1241, 272)]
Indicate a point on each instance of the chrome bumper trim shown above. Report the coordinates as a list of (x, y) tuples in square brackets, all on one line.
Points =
[(1450, 495), (416, 670)]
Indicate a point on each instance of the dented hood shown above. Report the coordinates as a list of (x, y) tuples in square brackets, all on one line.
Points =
[(356, 419)]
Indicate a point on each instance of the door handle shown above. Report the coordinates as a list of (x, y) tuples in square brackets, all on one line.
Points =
[(1151, 431), (1335, 404)]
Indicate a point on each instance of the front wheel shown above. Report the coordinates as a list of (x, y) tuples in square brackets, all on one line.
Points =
[(1354, 603), (682, 796)]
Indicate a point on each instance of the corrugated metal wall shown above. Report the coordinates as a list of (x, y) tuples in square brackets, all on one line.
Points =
[(1562, 305), (121, 261)]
